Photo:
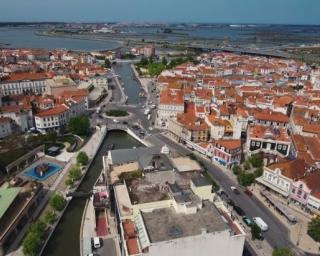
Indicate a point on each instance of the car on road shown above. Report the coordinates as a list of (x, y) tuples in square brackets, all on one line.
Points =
[(150, 128), (248, 192), (247, 221), (96, 242), (260, 222), (116, 121), (235, 190), (125, 122), (239, 210)]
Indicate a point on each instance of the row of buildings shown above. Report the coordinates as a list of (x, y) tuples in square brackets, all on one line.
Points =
[(230, 106), (43, 89), (167, 207)]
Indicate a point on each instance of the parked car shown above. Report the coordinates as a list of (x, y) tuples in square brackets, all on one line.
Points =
[(247, 221), (248, 192), (235, 190), (116, 121), (125, 122), (239, 210), (231, 202)]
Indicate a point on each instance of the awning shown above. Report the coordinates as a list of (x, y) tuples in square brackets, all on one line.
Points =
[(271, 186)]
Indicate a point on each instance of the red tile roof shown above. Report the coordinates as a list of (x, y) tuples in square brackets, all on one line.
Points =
[(229, 144), (59, 109), (26, 76), (293, 169)]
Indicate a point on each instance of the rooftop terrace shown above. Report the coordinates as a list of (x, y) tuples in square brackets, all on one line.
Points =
[(165, 224)]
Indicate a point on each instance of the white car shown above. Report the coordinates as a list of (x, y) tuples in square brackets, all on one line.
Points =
[(116, 121), (96, 242)]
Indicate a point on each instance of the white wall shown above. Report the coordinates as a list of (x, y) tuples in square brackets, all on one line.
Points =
[(220, 243)]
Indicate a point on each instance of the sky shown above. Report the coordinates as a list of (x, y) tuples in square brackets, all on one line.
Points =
[(216, 11)]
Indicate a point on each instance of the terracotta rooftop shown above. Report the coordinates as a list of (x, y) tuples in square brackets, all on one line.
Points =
[(263, 132), (26, 76), (272, 116), (59, 109), (312, 180), (171, 97), (293, 169), (229, 144)]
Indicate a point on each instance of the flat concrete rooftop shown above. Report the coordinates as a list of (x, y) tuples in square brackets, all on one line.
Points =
[(165, 224)]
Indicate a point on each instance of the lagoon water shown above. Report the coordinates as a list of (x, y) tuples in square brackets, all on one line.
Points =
[(27, 38)]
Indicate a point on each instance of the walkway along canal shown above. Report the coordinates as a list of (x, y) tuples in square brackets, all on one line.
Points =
[(65, 239)]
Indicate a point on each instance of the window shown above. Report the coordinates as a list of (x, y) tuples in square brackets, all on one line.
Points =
[(253, 143), (284, 147), (258, 143), (280, 147)]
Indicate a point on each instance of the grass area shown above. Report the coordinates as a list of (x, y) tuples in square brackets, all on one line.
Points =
[(117, 113), (154, 68)]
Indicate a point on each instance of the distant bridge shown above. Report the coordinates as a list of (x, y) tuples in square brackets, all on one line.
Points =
[(258, 52)]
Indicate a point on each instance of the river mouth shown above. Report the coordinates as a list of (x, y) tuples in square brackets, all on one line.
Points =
[(66, 238)]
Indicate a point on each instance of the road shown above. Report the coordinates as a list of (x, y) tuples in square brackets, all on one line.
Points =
[(277, 235)]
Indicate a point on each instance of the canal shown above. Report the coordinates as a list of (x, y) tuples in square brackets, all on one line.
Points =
[(131, 86), (65, 239)]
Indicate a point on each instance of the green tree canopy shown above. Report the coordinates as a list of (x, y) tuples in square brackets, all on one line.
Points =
[(50, 217), (82, 158), (282, 252), (255, 231), (107, 63), (33, 241), (58, 202), (314, 229), (256, 160), (74, 173), (79, 125)]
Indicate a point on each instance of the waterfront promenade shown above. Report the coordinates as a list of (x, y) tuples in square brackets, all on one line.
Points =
[(91, 148)]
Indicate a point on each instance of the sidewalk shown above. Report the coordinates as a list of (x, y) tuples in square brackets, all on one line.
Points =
[(90, 148), (298, 232)]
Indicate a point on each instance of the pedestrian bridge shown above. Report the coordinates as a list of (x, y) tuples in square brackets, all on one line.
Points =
[(115, 126)]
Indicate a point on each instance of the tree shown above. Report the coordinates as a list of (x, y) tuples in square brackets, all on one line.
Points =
[(256, 160), (51, 136), (82, 158), (282, 252), (164, 61), (258, 172), (79, 125), (74, 173), (236, 169), (107, 63), (255, 231), (58, 202), (50, 217), (143, 62), (246, 179), (314, 229), (32, 242)]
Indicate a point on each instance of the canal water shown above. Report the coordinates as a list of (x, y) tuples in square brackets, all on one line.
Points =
[(65, 239), (131, 86)]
